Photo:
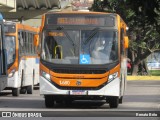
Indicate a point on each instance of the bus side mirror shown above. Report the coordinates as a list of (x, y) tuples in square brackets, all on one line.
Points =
[(126, 41), (36, 40)]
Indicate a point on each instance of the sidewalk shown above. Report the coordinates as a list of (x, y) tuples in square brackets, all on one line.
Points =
[(143, 77)]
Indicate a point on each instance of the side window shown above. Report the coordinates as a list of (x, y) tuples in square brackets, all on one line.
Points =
[(24, 42), (33, 45), (27, 50), (122, 41), (33, 52), (21, 43), (30, 43)]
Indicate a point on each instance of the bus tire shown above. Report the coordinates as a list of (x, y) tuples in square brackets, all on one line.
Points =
[(113, 102), (49, 101), (121, 100), (29, 89), (23, 90), (15, 92)]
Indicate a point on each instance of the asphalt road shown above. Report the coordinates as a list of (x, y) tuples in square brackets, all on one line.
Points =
[(141, 97)]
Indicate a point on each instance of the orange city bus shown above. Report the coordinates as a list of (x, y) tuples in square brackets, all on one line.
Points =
[(23, 61), (3, 57), (83, 56)]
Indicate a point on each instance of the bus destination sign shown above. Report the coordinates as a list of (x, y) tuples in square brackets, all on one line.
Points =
[(81, 20), (77, 21)]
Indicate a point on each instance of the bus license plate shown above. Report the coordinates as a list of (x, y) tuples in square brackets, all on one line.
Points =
[(78, 92)]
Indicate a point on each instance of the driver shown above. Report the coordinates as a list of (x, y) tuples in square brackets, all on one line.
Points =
[(100, 44)]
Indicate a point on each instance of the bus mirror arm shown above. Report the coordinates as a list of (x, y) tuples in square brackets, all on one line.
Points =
[(126, 42)]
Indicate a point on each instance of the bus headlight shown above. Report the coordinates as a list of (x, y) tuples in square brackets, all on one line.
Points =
[(11, 73), (112, 76), (46, 75)]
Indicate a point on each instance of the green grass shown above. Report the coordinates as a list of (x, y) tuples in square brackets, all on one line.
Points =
[(155, 72)]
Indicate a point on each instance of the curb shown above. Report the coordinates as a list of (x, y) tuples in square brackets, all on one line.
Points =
[(143, 78)]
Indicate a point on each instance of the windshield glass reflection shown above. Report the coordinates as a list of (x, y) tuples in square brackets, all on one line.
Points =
[(80, 47), (10, 47)]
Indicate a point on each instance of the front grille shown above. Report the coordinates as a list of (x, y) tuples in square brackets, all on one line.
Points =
[(76, 71)]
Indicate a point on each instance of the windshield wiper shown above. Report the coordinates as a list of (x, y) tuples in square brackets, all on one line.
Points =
[(95, 31), (69, 38)]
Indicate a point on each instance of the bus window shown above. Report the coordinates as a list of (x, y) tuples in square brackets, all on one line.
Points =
[(27, 42), (30, 43), (122, 42), (21, 43)]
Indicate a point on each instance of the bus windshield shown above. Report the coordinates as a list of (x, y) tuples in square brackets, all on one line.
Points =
[(10, 47), (80, 46)]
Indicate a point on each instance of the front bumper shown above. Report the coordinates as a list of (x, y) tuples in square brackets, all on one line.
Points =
[(110, 89)]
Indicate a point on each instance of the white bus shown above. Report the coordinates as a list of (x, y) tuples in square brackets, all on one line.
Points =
[(23, 61)]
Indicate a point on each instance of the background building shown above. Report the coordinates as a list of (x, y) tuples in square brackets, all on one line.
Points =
[(30, 11)]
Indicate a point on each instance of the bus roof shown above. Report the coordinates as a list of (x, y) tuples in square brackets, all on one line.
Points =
[(80, 12)]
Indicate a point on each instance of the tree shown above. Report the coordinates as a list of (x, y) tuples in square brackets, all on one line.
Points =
[(143, 20)]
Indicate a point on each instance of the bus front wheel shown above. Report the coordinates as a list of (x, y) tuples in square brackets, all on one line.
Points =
[(121, 100), (49, 101), (29, 89), (113, 102), (23, 90), (15, 91)]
